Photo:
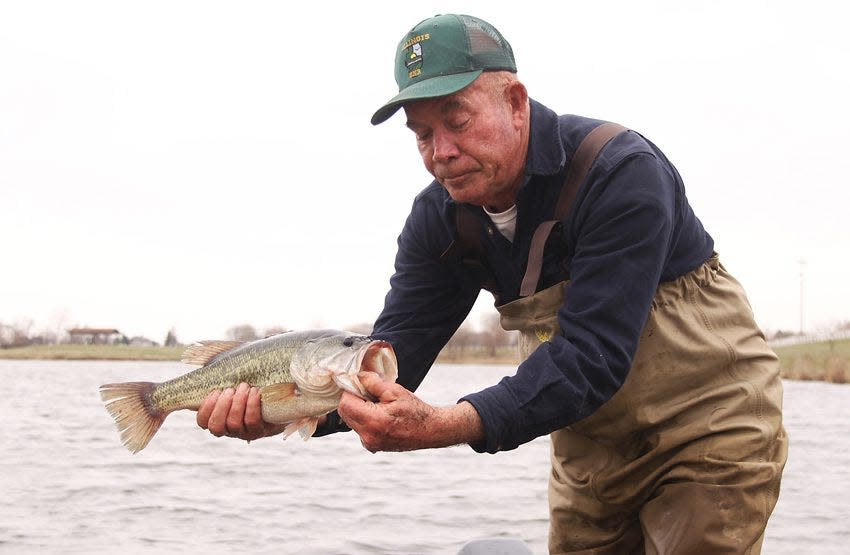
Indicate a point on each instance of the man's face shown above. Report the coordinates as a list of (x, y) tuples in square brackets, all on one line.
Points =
[(473, 142)]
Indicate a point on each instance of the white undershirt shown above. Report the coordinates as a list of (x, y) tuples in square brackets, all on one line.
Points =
[(505, 222)]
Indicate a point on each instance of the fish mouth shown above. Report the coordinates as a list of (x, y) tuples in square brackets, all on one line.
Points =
[(379, 357), (341, 370)]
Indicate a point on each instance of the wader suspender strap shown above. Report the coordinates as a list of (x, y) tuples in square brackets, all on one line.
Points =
[(580, 164), (467, 248)]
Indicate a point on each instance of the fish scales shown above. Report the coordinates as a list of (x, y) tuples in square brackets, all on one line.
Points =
[(258, 363)]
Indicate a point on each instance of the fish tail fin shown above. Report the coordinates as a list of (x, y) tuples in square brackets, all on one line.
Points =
[(305, 427), (136, 416)]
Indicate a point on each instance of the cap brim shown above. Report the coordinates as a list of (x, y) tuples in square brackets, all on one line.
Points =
[(429, 88)]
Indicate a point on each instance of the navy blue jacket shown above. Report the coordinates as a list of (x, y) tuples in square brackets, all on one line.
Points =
[(630, 228)]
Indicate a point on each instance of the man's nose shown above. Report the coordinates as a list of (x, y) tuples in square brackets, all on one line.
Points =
[(445, 148)]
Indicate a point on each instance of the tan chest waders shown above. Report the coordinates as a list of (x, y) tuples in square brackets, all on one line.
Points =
[(687, 456)]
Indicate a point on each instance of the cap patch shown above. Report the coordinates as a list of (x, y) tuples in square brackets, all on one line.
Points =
[(413, 54)]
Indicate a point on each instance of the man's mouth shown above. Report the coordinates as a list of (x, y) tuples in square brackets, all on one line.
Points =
[(454, 179)]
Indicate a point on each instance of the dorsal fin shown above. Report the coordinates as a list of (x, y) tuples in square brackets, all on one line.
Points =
[(203, 352)]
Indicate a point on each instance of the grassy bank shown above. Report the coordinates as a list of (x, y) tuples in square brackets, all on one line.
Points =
[(126, 352), (825, 361), (504, 355), (92, 352)]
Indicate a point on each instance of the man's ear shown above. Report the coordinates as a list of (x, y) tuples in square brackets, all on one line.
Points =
[(518, 97)]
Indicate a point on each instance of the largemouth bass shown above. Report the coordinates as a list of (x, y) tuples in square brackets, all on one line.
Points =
[(301, 376)]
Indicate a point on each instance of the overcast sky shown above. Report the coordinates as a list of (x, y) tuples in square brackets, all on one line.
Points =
[(199, 165)]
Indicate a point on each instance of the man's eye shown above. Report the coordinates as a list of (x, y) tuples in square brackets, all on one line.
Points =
[(459, 123), (423, 136)]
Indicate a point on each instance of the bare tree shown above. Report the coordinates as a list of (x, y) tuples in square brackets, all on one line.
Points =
[(274, 330), (492, 336), (171, 338), (57, 326), (463, 339), (242, 332), (7, 335), (16, 335)]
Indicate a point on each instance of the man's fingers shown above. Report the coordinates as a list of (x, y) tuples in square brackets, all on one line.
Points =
[(375, 386), (353, 410), (235, 413), (217, 424), (206, 409), (254, 414), (235, 422), (368, 379)]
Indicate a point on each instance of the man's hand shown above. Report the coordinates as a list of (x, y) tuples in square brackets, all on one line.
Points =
[(400, 421), (236, 413)]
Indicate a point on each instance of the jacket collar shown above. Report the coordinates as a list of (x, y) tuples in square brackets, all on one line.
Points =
[(546, 153)]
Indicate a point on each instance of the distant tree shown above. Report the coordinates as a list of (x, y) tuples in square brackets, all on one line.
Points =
[(15, 335), (6, 335), (57, 327), (274, 330), (171, 338), (139, 341), (47, 337), (464, 338), (780, 334), (242, 332), (492, 336)]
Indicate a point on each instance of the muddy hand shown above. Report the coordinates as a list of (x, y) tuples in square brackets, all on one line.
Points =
[(400, 421)]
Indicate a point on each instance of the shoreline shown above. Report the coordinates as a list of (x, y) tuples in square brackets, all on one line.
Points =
[(174, 354), (827, 361)]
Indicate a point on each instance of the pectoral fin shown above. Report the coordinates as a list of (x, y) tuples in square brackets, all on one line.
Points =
[(284, 403), (278, 392)]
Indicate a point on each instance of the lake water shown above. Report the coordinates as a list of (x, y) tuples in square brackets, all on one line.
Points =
[(68, 486)]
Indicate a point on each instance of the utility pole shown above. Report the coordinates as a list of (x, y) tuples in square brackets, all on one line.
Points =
[(802, 262)]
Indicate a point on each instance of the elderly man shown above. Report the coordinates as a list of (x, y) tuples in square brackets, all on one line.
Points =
[(641, 356)]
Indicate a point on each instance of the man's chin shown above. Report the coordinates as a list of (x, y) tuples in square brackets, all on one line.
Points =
[(464, 196), (462, 192)]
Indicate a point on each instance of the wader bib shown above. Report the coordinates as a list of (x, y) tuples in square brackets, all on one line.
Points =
[(687, 456)]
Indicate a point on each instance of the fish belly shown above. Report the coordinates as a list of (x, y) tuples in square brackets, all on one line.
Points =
[(294, 407)]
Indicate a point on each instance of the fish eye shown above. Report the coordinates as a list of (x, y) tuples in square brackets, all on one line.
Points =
[(348, 341)]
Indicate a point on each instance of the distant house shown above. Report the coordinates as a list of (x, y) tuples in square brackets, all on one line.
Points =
[(94, 336)]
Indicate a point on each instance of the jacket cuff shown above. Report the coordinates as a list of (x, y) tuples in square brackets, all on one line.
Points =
[(495, 407)]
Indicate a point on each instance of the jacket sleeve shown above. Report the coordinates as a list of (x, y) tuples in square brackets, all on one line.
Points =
[(428, 297), (620, 233)]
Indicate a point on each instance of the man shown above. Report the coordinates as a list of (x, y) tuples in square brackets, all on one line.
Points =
[(641, 355)]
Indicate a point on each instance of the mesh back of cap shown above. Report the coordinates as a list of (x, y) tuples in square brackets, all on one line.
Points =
[(488, 45)]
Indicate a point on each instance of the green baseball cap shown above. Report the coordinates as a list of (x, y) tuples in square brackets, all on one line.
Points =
[(443, 55)]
